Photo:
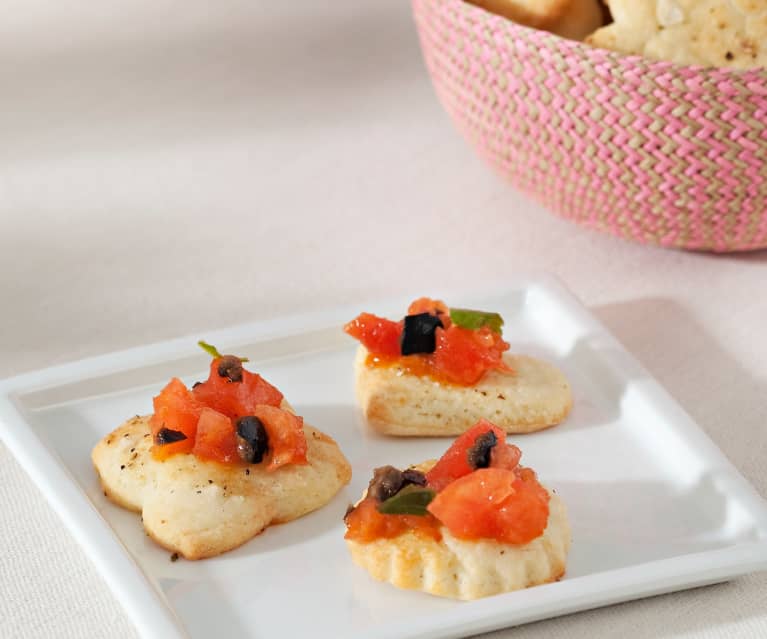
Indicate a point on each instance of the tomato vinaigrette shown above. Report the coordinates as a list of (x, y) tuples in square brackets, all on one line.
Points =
[(454, 346), (234, 417), (476, 490)]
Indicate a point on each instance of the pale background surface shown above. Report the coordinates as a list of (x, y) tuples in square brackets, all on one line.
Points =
[(169, 167)]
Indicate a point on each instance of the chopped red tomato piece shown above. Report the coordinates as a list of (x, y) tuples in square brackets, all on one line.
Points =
[(377, 334), (505, 456), (216, 438), (175, 408), (455, 462), (492, 503), (463, 356), (287, 442), (236, 399), (254, 391), (434, 307), (366, 524)]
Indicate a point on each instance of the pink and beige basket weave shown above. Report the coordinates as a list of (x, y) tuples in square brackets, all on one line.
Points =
[(651, 151)]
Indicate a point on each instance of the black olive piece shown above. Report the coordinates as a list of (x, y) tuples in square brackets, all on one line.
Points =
[(419, 334), (386, 482), (245, 450), (479, 454), (168, 436), (413, 476), (231, 368), (252, 440)]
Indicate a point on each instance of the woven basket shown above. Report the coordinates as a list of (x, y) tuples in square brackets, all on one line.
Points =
[(651, 151)]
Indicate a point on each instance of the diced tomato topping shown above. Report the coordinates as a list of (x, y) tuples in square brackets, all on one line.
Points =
[(462, 356), (365, 524), (505, 456), (216, 438), (504, 502), (236, 399), (434, 307), (254, 391), (175, 408), (455, 462), (377, 334), (285, 431), (492, 503), (207, 416)]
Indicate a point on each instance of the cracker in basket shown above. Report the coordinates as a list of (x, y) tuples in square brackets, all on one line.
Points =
[(573, 19), (723, 33)]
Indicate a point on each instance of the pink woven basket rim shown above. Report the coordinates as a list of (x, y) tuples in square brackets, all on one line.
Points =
[(696, 163), (755, 78)]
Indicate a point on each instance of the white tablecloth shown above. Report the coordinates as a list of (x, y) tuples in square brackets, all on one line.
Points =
[(169, 167)]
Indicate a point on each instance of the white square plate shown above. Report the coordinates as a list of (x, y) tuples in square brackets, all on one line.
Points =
[(654, 505)]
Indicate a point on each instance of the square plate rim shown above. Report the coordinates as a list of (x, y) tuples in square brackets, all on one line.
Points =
[(153, 616)]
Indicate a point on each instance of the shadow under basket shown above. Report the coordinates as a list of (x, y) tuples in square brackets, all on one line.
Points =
[(651, 151)]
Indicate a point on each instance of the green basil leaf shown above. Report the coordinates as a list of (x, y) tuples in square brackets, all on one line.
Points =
[(411, 500), (467, 318), (213, 351)]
